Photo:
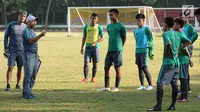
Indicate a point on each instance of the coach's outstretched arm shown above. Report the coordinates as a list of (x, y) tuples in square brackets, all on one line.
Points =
[(35, 39)]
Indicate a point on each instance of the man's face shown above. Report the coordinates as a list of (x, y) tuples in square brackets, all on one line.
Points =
[(32, 23), (198, 18), (21, 17), (112, 16), (176, 26), (185, 19), (140, 22), (94, 19)]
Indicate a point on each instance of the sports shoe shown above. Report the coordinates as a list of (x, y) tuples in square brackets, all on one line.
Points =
[(93, 80), (7, 87), (189, 91), (155, 108), (84, 81), (104, 89), (141, 88), (178, 98), (17, 86), (198, 97), (149, 88), (183, 100), (171, 108), (115, 90)]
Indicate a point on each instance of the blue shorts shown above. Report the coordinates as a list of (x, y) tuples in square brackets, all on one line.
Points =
[(184, 71), (15, 57), (168, 74), (113, 57), (92, 53), (141, 59)]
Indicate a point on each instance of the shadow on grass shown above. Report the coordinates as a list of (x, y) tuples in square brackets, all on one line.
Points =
[(69, 100)]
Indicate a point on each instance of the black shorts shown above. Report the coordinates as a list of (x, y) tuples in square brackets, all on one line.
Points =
[(113, 57), (92, 53), (184, 71), (141, 59)]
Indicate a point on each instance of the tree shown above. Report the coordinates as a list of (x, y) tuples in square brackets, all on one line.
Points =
[(149, 2), (47, 14), (12, 6)]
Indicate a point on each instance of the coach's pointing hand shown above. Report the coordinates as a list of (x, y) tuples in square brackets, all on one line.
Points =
[(43, 33)]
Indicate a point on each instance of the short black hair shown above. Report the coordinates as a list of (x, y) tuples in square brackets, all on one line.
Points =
[(94, 15), (169, 21), (22, 12), (116, 11), (197, 12), (140, 16), (179, 21)]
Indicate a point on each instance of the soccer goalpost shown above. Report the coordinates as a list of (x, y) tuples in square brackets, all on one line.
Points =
[(77, 17)]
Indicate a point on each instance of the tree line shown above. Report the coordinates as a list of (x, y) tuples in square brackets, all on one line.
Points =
[(43, 7)]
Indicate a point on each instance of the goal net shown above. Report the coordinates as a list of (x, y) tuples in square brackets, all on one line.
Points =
[(78, 17)]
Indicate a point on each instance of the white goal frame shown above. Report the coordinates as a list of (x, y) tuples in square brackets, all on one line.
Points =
[(107, 7)]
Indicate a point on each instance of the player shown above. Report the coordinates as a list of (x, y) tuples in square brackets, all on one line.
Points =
[(144, 41), (197, 14), (185, 61), (92, 36), (169, 71), (192, 35), (13, 47), (117, 39), (30, 41)]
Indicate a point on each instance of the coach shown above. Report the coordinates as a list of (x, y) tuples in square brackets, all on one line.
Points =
[(30, 56)]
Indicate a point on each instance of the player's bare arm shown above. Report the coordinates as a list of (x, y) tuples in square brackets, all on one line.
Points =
[(82, 45), (98, 41)]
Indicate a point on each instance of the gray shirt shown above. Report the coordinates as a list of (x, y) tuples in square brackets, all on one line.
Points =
[(14, 30)]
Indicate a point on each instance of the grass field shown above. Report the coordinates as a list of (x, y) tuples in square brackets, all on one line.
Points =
[(58, 89)]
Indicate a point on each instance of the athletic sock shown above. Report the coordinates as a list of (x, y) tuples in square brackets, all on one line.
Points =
[(147, 75), (141, 76), (94, 70), (8, 86), (107, 81), (188, 82), (117, 81), (174, 94), (184, 88), (159, 95), (86, 70)]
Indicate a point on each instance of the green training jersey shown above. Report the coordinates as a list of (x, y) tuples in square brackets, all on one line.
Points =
[(116, 33), (176, 39), (190, 32), (182, 55)]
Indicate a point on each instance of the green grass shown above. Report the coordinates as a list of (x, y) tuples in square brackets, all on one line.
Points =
[(58, 89)]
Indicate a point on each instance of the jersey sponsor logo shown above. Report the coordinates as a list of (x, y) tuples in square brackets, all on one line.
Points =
[(91, 30)]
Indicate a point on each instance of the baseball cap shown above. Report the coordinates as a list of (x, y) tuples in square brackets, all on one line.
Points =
[(31, 17)]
